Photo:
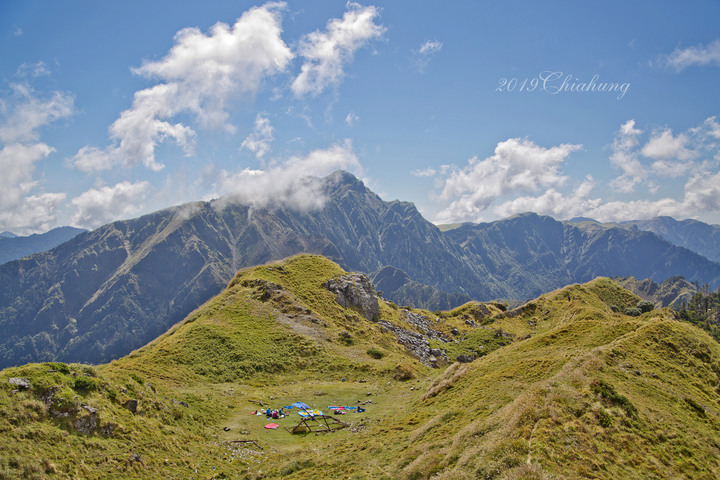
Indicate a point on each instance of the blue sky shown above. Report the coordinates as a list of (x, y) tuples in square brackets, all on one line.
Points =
[(472, 110)]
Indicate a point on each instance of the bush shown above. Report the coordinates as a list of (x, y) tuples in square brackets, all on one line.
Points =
[(645, 306), (615, 308), (633, 312), (83, 383), (58, 366), (606, 391), (375, 353)]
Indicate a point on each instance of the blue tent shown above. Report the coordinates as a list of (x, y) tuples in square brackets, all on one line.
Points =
[(301, 405)]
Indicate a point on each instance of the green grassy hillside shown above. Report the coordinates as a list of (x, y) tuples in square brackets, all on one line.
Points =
[(561, 387)]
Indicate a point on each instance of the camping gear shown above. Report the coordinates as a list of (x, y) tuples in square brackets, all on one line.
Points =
[(318, 424), (314, 413), (272, 426)]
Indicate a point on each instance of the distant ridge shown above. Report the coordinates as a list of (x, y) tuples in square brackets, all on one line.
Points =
[(13, 247)]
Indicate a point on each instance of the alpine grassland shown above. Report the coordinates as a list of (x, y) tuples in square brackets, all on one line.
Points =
[(565, 386)]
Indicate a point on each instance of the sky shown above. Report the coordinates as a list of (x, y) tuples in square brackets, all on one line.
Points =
[(474, 111)]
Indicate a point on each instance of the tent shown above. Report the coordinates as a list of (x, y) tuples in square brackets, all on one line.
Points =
[(301, 405), (272, 426)]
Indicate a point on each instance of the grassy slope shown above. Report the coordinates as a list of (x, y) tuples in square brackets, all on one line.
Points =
[(294, 344), (535, 400), (542, 408)]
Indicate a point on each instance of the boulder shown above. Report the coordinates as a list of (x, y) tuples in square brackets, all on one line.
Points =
[(465, 358), (355, 290), (21, 383)]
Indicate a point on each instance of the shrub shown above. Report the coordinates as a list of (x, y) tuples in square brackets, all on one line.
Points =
[(699, 409), (606, 391), (83, 383), (645, 306), (375, 353), (403, 372), (633, 312), (615, 308), (59, 366)]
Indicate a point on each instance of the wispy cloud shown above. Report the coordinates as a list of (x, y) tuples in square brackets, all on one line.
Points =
[(261, 137), (426, 52), (326, 53), (697, 55)]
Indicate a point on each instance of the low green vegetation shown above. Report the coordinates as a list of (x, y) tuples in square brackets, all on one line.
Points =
[(566, 386)]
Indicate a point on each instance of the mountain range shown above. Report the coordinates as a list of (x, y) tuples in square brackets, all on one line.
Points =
[(107, 292), (13, 247)]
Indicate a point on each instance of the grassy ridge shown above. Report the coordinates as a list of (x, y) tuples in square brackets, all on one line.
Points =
[(562, 387)]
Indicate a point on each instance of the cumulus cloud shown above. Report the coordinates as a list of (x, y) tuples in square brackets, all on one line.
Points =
[(199, 76), (625, 157), (326, 53), (259, 140), (23, 208), (98, 206), (423, 55), (292, 183), (483, 186), (518, 165), (697, 55)]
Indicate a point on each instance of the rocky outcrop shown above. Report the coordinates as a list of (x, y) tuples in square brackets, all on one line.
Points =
[(419, 343), (356, 291)]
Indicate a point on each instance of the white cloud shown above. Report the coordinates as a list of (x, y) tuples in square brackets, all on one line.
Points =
[(259, 140), (201, 74), (669, 152), (351, 119), (326, 53), (518, 165), (430, 47), (423, 55), (427, 172), (288, 184), (24, 209), (626, 159), (37, 69), (697, 55), (25, 113), (98, 206), (663, 145), (553, 203)]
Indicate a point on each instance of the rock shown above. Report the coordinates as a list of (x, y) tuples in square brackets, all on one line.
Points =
[(465, 358), (227, 429), (436, 352), (48, 394), (87, 423), (134, 457), (355, 290), (108, 429), (21, 383), (455, 331), (131, 405)]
